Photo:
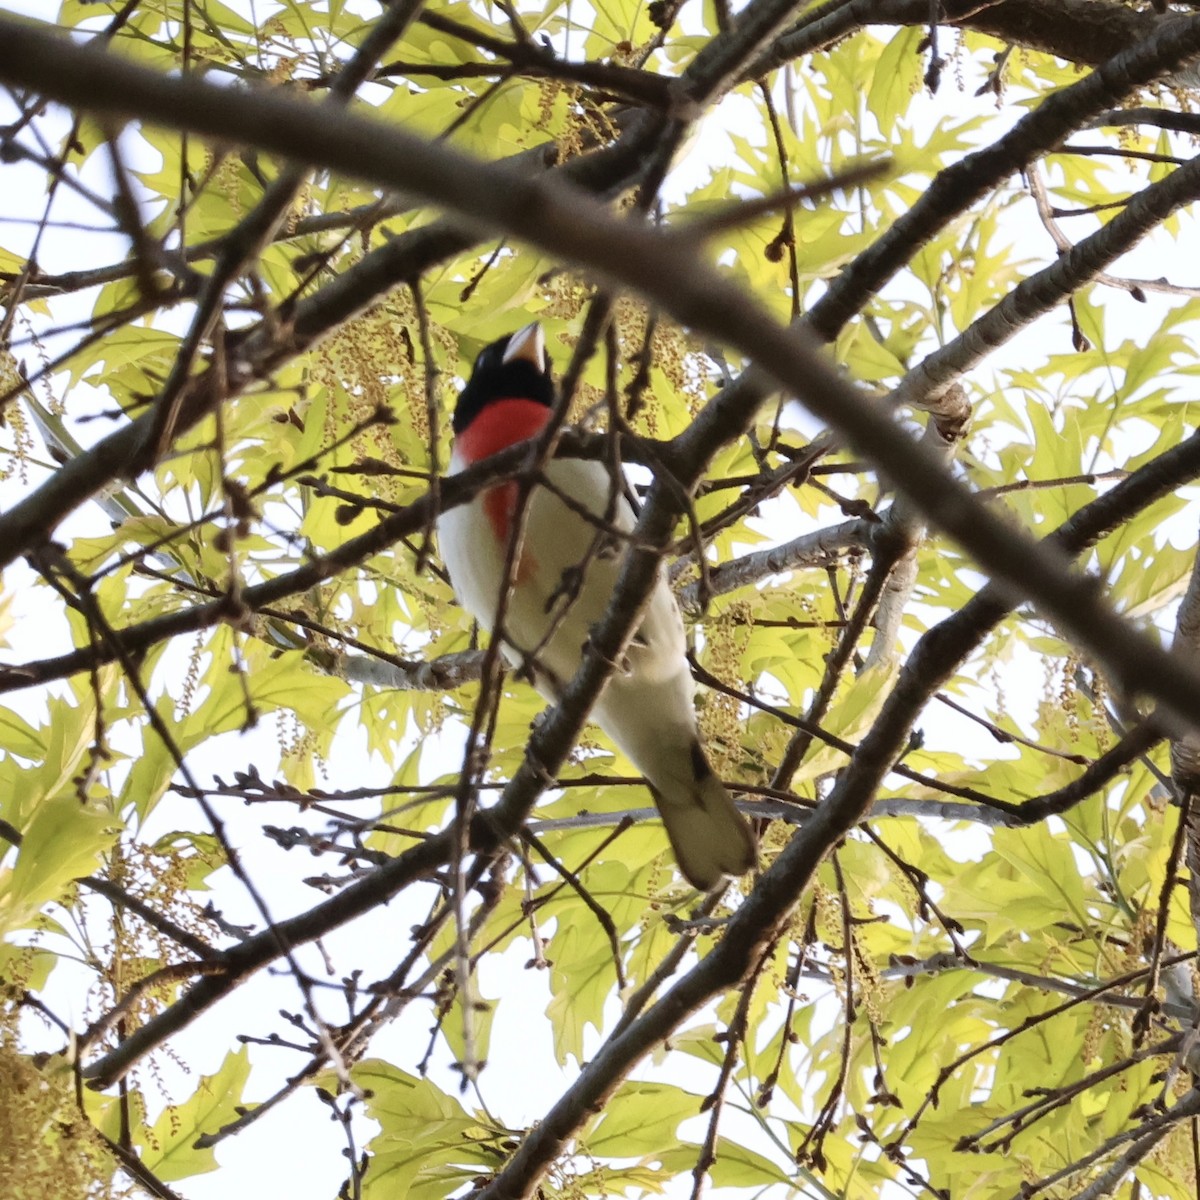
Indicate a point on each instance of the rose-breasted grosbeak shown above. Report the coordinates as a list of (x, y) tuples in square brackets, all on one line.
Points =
[(562, 583)]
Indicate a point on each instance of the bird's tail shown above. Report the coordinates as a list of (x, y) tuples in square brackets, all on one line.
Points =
[(711, 839)]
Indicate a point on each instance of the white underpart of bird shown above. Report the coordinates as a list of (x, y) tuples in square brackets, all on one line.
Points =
[(564, 579)]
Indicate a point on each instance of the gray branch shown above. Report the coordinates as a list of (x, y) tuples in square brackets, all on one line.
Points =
[(821, 548), (624, 255)]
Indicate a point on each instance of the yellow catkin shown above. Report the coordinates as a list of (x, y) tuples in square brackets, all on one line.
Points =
[(227, 179), (158, 876), (726, 640), (14, 419), (1099, 723), (191, 678), (1093, 1033), (299, 205), (583, 125), (827, 914), (565, 297), (870, 989), (296, 741), (375, 362), (629, 317), (284, 68), (1000, 698), (1068, 696), (775, 837), (548, 92), (47, 1147), (48, 1150)]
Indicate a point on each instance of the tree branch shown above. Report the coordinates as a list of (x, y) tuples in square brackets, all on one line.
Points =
[(1048, 288), (938, 652), (1079, 31), (1133, 65), (622, 254)]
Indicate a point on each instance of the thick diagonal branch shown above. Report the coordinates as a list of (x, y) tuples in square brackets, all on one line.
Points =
[(624, 255), (971, 178), (938, 653), (717, 424)]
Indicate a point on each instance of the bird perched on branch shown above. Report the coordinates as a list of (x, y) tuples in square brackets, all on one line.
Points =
[(561, 584)]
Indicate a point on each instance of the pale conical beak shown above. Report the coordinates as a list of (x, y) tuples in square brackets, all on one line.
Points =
[(528, 343)]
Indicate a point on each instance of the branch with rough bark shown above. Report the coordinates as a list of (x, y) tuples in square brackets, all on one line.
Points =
[(1048, 288), (660, 265), (1079, 31), (1132, 66), (775, 894), (547, 750), (620, 254)]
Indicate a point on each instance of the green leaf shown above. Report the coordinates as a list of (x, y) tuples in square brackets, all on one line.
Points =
[(63, 841), (897, 76), (169, 1149), (426, 1140), (641, 1119)]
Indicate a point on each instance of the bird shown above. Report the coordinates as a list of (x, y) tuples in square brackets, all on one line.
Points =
[(565, 574)]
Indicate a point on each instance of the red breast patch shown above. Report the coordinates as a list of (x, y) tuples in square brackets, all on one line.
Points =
[(501, 424)]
